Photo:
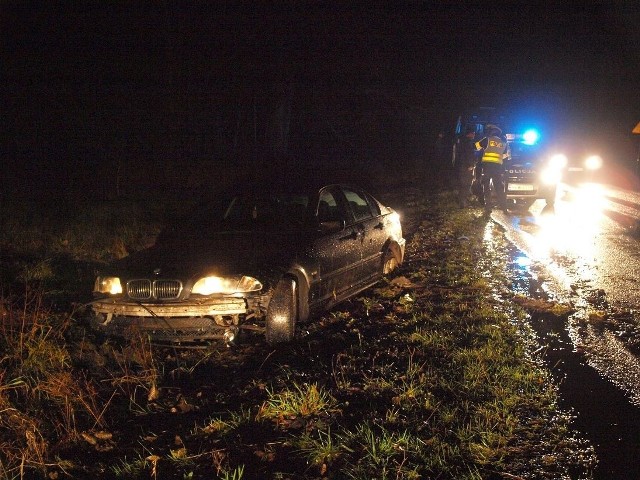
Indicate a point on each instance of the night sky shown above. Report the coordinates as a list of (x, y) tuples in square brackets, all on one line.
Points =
[(174, 87)]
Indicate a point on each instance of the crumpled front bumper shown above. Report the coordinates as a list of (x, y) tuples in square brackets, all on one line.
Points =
[(177, 322), (224, 306)]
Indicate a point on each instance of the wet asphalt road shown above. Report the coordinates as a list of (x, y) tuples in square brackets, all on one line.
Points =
[(586, 248)]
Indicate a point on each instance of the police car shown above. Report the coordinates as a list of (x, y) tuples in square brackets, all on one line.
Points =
[(531, 173), (535, 170)]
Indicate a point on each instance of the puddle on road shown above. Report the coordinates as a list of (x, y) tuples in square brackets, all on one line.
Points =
[(599, 379), (602, 411), (608, 355)]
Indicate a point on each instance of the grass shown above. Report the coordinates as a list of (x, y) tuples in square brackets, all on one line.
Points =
[(99, 231), (430, 374), (298, 401), (321, 449)]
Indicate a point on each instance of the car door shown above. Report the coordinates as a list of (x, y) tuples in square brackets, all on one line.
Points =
[(370, 225), (336, 249)]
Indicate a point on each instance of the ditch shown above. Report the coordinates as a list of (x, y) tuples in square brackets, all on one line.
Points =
[(604, 405)]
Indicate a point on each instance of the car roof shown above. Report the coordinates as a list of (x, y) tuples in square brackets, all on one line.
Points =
[(288, 181)]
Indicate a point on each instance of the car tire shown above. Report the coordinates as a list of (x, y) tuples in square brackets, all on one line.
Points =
[(389, 262), (282, 313)]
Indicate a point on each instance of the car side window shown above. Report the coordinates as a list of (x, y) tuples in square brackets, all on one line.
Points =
[(359, 204), (328, 210), (375, 206)]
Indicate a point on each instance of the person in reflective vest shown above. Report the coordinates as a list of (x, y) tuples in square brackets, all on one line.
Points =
[(495, 150)]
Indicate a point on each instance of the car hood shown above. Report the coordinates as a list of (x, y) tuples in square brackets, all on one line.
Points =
[(222, 253)]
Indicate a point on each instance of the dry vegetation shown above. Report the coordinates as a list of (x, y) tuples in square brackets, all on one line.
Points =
[(431, 374)]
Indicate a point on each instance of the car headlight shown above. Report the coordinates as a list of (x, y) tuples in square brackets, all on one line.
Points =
[(558, 161), (110, 285), (550, 176), (594, 162), (213, 284)]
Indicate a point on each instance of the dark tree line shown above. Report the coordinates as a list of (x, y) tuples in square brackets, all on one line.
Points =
[(109, 142)]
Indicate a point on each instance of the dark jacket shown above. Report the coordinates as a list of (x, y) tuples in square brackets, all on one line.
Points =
[(465, 154)]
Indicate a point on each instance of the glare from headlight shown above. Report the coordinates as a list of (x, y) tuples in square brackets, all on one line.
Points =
[(594, 162), (110, 285), (550, 176), (227, 285), (394, 218), (558, 161)]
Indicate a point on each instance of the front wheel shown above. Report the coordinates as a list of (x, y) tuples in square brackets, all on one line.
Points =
[(389, 262), (282, 312)]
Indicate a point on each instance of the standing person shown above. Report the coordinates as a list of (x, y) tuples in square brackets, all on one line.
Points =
[(476, 184), (494, 151), (465, 159)]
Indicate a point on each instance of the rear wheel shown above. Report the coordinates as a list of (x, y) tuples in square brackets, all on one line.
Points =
[(282, 312)]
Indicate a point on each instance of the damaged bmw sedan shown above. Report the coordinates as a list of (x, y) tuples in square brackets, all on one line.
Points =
[(251, 260)]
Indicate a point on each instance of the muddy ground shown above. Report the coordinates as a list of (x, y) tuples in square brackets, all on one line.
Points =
[(180, 413)]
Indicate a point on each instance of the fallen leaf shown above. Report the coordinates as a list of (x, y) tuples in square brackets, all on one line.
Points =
[(183, 406), (179, 453), (103, 435), (403, 282), (154, 394), (90, 439)]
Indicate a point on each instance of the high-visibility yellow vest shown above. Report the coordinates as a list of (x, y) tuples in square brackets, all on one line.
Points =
[(495, 150)]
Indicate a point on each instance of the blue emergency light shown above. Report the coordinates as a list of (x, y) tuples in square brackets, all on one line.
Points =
[(530, 137)]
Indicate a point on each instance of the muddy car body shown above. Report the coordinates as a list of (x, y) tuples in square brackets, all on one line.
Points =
[(251, 260)]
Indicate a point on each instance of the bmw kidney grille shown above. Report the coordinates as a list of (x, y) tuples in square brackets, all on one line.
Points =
[(145, 289)]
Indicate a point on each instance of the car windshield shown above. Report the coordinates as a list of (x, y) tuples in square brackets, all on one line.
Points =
[(268, 213), (522, 151)]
